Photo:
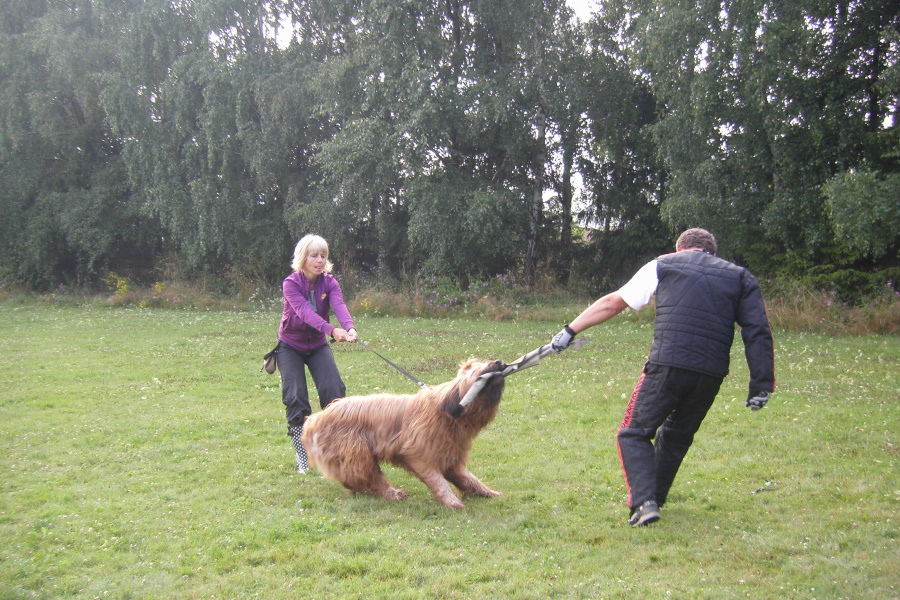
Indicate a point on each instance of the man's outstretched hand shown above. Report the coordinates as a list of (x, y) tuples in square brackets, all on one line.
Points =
[(562, 339)]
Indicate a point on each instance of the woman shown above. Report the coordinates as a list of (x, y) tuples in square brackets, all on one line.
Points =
[(310, 292)]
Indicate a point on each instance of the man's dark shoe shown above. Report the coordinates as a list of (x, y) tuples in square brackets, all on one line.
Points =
[(646, 513)]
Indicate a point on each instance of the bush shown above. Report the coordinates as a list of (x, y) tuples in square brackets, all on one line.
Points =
[(850, 286), (798, 306), (500, 298)]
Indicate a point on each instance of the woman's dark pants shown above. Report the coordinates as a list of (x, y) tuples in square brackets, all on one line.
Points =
[(292, 365)]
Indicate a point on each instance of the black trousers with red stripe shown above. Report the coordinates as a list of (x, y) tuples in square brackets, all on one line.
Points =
[(668, 404)]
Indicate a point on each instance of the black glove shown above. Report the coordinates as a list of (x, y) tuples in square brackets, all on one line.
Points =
[(756, 400), (562, 339)]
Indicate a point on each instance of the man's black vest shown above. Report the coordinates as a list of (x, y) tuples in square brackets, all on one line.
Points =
[(699, 299)]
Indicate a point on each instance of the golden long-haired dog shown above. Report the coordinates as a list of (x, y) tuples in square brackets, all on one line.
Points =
[(429, 434)]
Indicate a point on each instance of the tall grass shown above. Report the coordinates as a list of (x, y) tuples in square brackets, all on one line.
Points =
[(792, 306), (144, 455), (804, 309)]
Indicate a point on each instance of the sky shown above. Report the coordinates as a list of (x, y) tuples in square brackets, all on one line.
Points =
[(582, 8)]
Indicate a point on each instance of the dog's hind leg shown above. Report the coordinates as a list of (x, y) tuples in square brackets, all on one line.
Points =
[(359, 471), (467, 483)]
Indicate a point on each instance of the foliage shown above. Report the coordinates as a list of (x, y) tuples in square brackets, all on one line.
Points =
[(760, 105), (865, 209), (835, 302), (843, 302), (456, 139), (119, 285)]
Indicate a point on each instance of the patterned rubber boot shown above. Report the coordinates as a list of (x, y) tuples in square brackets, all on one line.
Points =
[(299, 451)]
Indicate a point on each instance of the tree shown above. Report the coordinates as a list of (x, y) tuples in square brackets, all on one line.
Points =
[(185, 105), (863, 202), (431, 108), (761, 103), (67, 210), (619, 166), (554, 65), (569, 95)]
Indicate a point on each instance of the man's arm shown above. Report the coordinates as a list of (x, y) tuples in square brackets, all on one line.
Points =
[(600, 311), (759, 348), (636, 294)]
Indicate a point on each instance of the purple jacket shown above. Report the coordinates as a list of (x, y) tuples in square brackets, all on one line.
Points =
[(304, 326)]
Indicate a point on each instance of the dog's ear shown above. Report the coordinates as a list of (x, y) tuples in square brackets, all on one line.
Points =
[(493, 391), (451, 402)]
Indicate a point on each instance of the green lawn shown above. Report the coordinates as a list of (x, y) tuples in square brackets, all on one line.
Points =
[(144, 455)]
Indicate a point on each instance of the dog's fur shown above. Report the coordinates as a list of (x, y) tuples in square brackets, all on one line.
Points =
[(350, 438)]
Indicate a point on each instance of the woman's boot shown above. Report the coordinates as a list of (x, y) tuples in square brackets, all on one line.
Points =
[(295, 431)]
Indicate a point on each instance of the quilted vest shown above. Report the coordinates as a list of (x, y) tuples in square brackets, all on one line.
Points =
[(697, 304)]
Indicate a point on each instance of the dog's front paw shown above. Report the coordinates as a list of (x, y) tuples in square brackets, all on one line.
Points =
[(395, 494), (455, 504), (484, 492)]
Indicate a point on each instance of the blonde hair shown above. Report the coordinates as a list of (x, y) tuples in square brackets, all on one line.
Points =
[(307, 245)]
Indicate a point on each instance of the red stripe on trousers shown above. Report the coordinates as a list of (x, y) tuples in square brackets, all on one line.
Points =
[(626, 422)]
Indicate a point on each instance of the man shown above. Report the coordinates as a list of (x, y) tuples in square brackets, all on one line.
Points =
[(699, 298)]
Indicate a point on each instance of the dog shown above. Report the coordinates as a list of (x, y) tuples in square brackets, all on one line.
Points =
[(429, 434)]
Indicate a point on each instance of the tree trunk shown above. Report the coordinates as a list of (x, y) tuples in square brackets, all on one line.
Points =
[(537, 197), (565, 232)]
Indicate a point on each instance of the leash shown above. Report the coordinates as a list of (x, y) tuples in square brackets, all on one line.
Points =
[(399, 368)]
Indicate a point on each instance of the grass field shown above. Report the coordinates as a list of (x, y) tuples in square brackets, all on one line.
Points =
[(144, 455)]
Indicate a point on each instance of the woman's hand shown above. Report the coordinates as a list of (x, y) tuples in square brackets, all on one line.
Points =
[(341, 335)]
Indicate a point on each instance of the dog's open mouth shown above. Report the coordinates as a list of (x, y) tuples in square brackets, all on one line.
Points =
[(497, 365), (491, 374)]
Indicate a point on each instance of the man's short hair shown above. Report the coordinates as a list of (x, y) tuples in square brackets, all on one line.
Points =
[(696, 238)]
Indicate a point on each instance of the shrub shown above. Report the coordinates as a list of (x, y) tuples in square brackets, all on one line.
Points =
[(797, 306)]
